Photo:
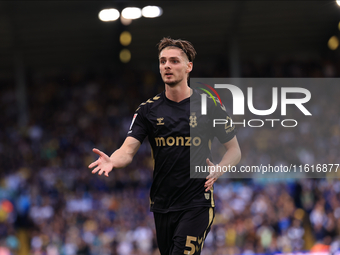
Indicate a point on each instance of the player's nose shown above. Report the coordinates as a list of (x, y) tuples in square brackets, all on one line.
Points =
[(167, 65)]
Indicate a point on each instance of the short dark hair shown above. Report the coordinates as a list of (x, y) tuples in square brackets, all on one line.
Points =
[(185, 46)]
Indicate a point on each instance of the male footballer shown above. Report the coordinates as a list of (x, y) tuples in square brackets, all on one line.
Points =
[(183, 207)]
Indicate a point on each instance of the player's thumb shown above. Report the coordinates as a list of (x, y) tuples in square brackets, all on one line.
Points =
[(209, 163)]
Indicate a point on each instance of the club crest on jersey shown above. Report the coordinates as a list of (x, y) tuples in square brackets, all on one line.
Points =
[(207, 196), (193, 120), (160, 121)]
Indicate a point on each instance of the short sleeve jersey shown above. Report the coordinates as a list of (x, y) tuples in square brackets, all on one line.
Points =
[(177, 133)]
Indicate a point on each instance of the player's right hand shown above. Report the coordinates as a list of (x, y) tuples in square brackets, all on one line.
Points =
[(103, 164)]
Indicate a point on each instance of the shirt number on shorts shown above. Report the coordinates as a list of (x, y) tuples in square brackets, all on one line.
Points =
[(190, 245)]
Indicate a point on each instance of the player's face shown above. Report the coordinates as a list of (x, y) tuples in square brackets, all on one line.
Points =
[(174, 66)]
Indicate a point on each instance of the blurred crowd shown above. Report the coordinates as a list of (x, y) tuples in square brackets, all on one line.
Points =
[(51, 204)]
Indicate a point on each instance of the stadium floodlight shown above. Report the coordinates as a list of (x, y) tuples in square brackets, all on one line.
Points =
[(333, 42), (125, 55), (338, 2), (125, 38), (132, 13), (125, 21), (152, 11), (108, 15)]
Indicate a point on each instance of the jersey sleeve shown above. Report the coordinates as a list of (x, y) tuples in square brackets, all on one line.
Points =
[(226, 131), (138, 128)]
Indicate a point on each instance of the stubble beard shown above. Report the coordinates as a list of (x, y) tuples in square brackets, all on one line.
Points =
[(172, 83)]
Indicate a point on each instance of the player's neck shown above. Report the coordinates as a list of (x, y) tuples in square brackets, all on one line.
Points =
[(177, 93)]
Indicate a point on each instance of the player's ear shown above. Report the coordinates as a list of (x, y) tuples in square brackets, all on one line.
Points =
[(189, 67)]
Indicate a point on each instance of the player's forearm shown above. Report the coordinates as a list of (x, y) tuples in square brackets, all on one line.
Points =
[(124, 155), (121, 158), (231, 158)]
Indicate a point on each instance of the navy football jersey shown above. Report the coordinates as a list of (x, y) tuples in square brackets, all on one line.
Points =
[(179, 134)]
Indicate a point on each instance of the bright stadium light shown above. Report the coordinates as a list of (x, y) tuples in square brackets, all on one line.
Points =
[(333, 42), (125, 21), (132, 13), (338, 2), (125, 38), (108, 15), (152, 11), (125, 55)]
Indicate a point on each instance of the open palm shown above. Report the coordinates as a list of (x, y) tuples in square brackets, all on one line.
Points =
[(103, 164)]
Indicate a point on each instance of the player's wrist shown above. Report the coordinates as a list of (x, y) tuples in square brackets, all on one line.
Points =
[(218, 170)]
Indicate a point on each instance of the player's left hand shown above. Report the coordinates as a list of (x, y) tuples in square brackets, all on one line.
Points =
[(212, 177)]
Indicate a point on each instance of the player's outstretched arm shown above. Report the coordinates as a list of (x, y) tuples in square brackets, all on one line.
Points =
[(119, 159), (231, 157)]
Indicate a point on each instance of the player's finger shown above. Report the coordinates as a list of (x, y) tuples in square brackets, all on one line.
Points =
[(95, 170), (93, 164), (100, 172), (210, 181), (100, 153)]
